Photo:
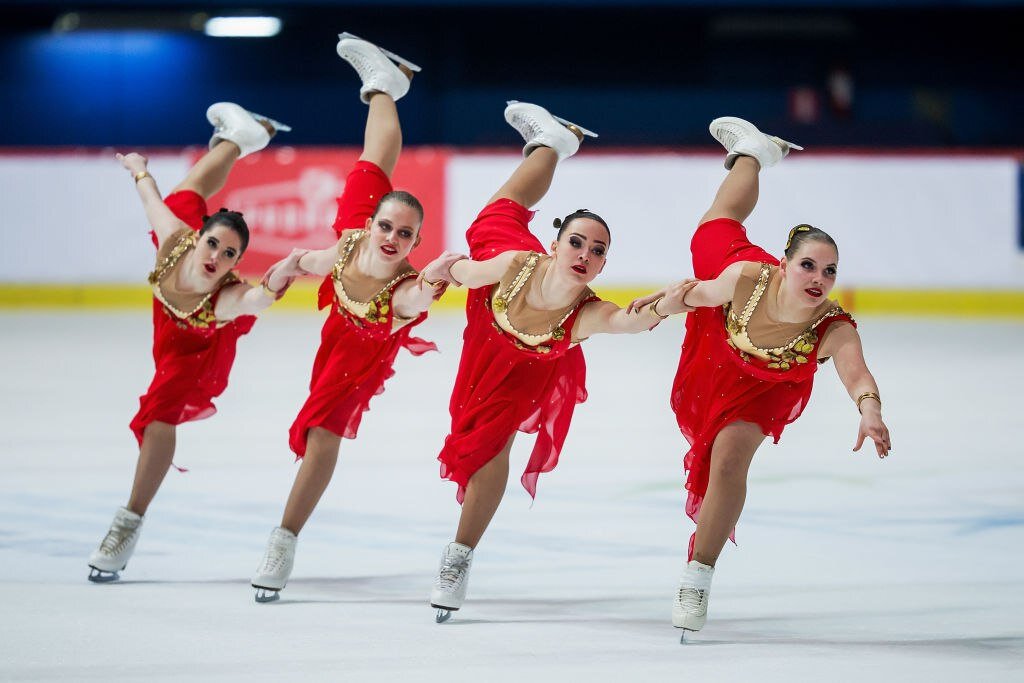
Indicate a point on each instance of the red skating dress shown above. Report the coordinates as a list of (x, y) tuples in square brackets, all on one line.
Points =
[(362, 334), (508, 379), (192, 350), (724, 375)]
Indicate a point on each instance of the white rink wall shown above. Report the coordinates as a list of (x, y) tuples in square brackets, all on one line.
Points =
[(901, 221)]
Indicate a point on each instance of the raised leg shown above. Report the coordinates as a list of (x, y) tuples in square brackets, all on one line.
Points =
[(731, 455), (155, 456), (737, 195), (314, 475), (531, 180), (211, 172), (483, 495), (382, 141)]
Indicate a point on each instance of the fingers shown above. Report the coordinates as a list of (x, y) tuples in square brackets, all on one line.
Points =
[(860, 441), (637, 304)]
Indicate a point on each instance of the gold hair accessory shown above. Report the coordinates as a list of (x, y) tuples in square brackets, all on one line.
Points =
[(803, 227), (865, 395), (140, 175)]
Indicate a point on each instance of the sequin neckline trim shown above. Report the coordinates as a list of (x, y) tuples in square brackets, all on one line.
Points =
[(185, 243), (500, 303), (377, 307)]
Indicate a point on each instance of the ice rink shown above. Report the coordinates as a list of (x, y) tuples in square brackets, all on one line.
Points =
[(848, 568)]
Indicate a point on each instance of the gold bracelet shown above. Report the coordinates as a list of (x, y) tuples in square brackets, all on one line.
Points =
[(140, 175), (266, 288), (868, 394), (435, 285), (654, 308)]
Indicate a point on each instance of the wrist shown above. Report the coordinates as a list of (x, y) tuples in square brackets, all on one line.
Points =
[(869, 401), (451, 274), (139, 175), (653, 308)]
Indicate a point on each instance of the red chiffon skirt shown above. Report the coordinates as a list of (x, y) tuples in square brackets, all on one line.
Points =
[(501, 389)]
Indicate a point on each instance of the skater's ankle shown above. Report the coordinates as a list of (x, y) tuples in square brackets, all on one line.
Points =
[(706, 560)]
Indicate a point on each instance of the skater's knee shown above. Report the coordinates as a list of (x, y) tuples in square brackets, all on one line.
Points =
[(321, 443), (158, 430)]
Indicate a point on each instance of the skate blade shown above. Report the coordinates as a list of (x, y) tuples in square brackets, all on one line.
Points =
[(785, 143), (102, 575), (442, 616), (387, 53), (564, 122), (277, 125), (264, 595)]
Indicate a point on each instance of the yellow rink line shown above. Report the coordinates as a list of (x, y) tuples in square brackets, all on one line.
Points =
[(932, 303)]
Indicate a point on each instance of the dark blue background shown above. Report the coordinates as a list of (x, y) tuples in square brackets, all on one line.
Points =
[(944, 74)]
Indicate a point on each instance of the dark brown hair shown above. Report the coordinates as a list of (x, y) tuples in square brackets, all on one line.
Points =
[(807, 233), (562, 223), (230, 219)]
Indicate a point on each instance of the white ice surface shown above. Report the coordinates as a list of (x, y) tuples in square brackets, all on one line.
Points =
[(848, 568)]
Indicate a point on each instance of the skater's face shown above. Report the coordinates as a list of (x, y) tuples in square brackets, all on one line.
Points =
[(811, 274), (394, 231), (582, 249), (218, 250)]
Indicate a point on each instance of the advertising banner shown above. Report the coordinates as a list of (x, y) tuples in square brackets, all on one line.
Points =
[(289, 198)]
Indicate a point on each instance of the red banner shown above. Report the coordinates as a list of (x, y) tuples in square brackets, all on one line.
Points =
[(289, 197)]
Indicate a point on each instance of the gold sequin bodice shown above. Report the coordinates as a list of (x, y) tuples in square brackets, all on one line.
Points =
[(533, 327), (195, 309), (783, 345), (374, 309)]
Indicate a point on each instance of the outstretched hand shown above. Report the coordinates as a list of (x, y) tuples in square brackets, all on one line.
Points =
[(289, 265), (133, 161), (871, 426), (440, 269), (671, 298)]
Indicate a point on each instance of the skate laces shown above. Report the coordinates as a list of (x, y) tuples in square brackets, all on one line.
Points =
[(728, 137), (274, 559), (693, 600), (453, 571), (116, 539)]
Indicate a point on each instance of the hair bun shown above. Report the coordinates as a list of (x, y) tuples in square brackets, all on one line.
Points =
[(557, 223)]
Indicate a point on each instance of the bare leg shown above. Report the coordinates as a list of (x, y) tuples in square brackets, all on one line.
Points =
[(483, 495), (531, 180), (314, 475), (731, 455), (210, 173), (737, 196), (382, 141), (155, 456)]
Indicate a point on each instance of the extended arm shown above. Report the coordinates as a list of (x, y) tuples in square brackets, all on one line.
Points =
[(843, 344), (243, 299), (604, 317), (415, 296), (685, 296), (475, 274), (161, 219)]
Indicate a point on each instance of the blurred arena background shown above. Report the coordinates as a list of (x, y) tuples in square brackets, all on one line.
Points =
[(908, 109)]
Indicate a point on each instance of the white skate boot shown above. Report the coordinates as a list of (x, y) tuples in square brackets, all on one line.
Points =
[(116, 548), (234, 124), (452, 578), (690, 609), (376, 67), (273, 572), (540, 128), (742, 138)]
